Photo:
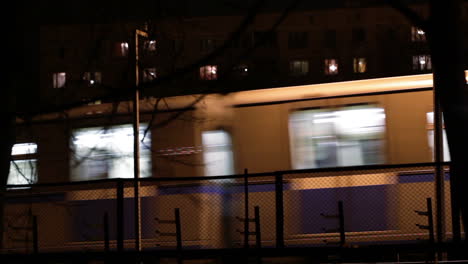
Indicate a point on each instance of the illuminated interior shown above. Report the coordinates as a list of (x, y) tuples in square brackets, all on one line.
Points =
[(217, 153), (430, 137), (23, 168), (347, 136), (99, 153)]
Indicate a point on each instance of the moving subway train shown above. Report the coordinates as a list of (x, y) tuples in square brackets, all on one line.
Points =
[(362, 129)]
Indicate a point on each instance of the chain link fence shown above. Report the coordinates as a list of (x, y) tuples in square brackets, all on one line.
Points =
[(307, 208)]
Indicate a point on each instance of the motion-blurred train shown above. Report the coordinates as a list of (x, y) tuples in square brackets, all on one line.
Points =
[(301, 131)]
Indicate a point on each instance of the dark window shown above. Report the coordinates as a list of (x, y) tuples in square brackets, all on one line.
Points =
[(297, 40), (265, 39), (207, 44), (330, 39), (241, 70), (359, 35)]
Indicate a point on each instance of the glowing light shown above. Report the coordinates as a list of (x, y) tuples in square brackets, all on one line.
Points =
[(420, 32), (333, 68), (24, 148)]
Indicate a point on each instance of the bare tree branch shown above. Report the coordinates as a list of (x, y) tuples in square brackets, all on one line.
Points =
[(409, 14)]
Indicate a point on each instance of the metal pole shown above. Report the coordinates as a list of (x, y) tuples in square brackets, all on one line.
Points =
[(105, 224), (120, 216), (178, 229), (439, 175), (35, 235), (279, 211), (178, 236), (430, 220), (258, 234), (246, 209), (342, 222), (136, 143)]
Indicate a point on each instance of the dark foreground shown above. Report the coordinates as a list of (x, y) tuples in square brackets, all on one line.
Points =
[(414, 253)]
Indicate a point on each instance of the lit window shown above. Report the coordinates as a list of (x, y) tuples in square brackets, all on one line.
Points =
[(430, 137), (297, 40), (100, 153), (207, 44), (92, 78), (417, 35), (209, 72), (348, 136), (121, 49), (217, 153), (359, 65), (331, 67), (299, 67), (150, 45), (422, 62), (149, 74), (23, 165), (59, 79)]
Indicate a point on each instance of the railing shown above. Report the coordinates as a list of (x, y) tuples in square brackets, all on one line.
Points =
[(339, 207)]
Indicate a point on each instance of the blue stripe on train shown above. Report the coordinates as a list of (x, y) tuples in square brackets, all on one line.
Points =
[(366, 208), (218, 189), (420, 177)]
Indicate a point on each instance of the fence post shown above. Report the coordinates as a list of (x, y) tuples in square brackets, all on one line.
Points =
[(246, 209), (279, 210), (120, 215), (35, 235), (178, 229), (342, 223), (178, 235), (105, 225), (258, 234), (430, 220)]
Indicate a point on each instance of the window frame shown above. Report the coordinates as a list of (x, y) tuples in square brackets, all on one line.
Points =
[(31, 158)]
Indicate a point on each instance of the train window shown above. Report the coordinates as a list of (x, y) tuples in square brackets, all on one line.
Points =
[(430, 137), (23, 165), (217, 153), (100, 153), (346, 136)]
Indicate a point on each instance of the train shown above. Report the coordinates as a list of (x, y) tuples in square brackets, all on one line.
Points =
[(366, 143)]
